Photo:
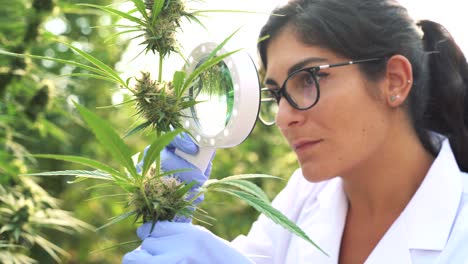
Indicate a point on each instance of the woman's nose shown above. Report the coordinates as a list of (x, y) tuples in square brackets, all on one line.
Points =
[(287, 115)]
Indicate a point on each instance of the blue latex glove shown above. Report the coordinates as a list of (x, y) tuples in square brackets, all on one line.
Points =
[(170, 161), (172, 242)]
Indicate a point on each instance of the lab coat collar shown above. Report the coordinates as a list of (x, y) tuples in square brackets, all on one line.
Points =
[(432, 210), (426, 222)]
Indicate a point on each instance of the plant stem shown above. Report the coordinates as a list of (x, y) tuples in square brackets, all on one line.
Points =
[(148, 204), (161, 58), (158, 159)]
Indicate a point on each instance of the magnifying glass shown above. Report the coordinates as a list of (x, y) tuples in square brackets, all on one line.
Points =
[(230, 101)]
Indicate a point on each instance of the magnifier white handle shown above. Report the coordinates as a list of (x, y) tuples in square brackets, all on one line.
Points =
[(200, 160)]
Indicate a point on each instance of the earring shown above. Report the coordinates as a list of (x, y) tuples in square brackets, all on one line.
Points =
[(393, 98), (409, 81)]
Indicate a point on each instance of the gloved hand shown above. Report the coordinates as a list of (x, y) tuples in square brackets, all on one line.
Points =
[(171, 161), (172, 242)]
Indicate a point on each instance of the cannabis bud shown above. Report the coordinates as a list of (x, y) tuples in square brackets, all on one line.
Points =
[(158, 103), (161, 36), (167, 199)]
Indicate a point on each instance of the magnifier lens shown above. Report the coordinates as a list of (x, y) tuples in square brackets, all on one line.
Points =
[(215, 91), (268, 108)]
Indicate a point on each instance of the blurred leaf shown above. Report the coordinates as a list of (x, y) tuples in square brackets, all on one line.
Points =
[(117, 219), (83, 161), (272, 213), (117, 12), (79, 173), (108, 71), (246, 186), (109, 139)]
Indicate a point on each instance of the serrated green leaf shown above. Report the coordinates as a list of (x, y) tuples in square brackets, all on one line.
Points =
[(100, 186), (156, 10), (203, 67), (78, 173), (117, 12), (184, 188), (93, 76), (117, 219), (137, 129), (211, 60), (178, 81), (272, 213), (116, 246), (83, 161), (156, 147), (101, 65), (7, 227), (107, 196), (227, 11), (192, 17), (140, 5), (116, 35), (69, 62), (166, 173), (246, 186), (50, 248), (109, 139), (250, 176), (208, 183)]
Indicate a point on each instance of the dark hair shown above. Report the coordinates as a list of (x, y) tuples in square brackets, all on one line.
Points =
[(360, 29)]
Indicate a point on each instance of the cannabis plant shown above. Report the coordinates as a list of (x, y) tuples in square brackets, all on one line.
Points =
[(151, 194), (26, 211), (154, 195)]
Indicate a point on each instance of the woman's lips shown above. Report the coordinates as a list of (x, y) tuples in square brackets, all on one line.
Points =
[(303, 145)]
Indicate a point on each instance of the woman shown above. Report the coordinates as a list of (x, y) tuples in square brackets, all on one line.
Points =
[(383, 145)]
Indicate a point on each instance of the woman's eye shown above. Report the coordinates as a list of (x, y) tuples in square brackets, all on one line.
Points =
[(321, 75), (307, 80)]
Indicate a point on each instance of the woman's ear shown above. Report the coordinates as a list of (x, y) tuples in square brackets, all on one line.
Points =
[(399, 80)]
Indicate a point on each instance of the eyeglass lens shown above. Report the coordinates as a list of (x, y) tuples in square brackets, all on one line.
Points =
[(268, 107), (301, 88)]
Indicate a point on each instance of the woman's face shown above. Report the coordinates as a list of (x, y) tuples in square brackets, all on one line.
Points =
[(345, 128)]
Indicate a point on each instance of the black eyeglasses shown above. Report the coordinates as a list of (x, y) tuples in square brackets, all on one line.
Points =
[(301, 89)]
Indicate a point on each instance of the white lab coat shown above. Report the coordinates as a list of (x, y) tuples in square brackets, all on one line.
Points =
[(433, 228)]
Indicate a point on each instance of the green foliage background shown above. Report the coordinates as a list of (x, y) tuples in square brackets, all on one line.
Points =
[(36, 115)]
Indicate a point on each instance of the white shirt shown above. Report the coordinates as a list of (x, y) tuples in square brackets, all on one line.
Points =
[(433, 228)]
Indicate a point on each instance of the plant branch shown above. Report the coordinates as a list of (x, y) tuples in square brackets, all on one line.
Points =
[(161, 60)]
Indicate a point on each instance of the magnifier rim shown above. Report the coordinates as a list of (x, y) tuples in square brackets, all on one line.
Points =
[(223, 140)]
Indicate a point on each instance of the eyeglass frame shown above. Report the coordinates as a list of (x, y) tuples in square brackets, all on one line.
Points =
[(279, 93)]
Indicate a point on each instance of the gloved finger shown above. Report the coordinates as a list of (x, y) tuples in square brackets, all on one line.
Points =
[(140, 256), (137, 256), (170, 161), (163, 245), (139, 165), (144, 230), (184, 143), (162, 228)]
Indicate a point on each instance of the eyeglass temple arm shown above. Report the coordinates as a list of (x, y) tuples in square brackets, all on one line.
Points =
[(348, 63)]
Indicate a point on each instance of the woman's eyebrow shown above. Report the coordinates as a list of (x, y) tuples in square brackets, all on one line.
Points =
[(298, 66), (305, 62)]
